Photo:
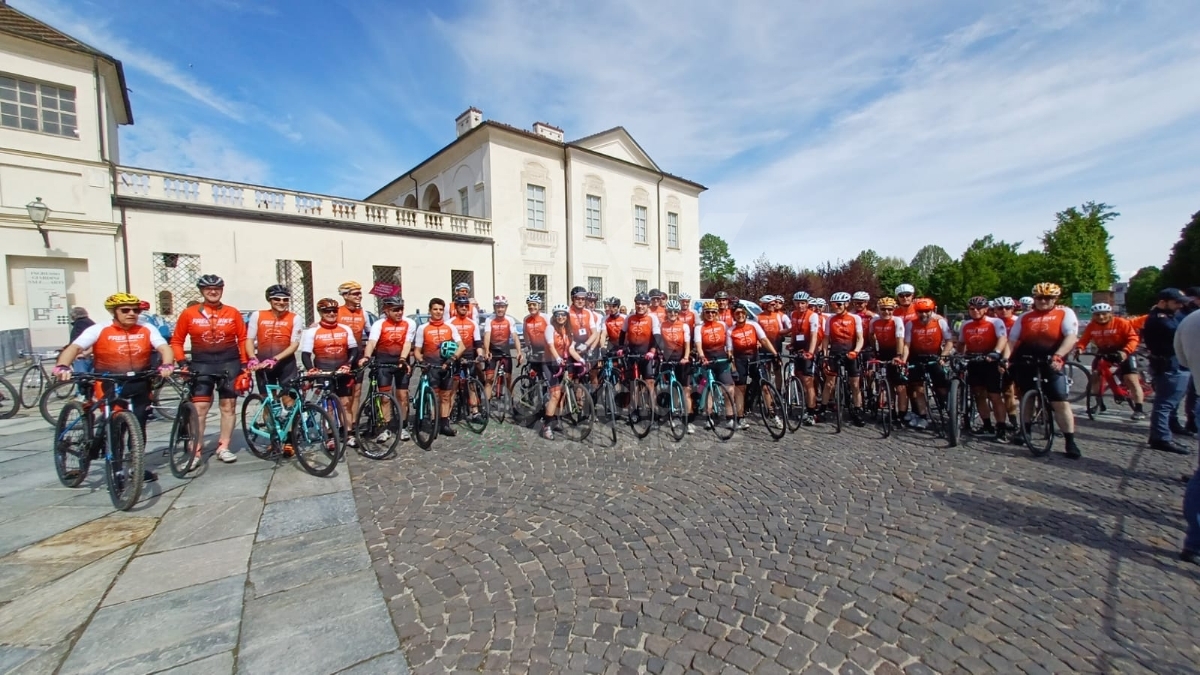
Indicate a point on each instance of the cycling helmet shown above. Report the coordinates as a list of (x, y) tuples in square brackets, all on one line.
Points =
[(819, 302), (500, 301), (766, 300), (673, 306), (1027, 302), (560, 309), (861, 295), (462, 302), (1047, 288), (613, 302), (886, 303), (210, 281), (448, 349), (393, 301), (685, 296), (278, 291), (655, 293), (144, 305), (533, 298), (462, 286), (349, 287), (924, 305), (579, 292), (120, 300), (709, 306), (1005, 302), (800, 296), (978, 302), (592, 295), (641, 298), (721, 295), (326, 303), (840, 296), (905, 288), (1101, 307), (992, 304)]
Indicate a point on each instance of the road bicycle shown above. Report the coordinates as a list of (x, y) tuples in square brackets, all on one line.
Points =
[(425, 409), (379, 418), (604, 398), (962, 411), (1034, 413), (35, 378), (468, 387), (499, 392), (878, 400), (104, 427), (1105, 380), (764, 398), (936, 400), (670, 397), (835, 366), (641, 401), (531, 394), (716, 400), (272, 427), (795, 406)]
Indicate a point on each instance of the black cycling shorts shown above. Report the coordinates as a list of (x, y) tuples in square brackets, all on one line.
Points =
[(1055, 380), (221, 376), (392, 374), (744, 371), (281, 373), (646, 369), (1127, 366), (937, 372), (985, 374), (720, 371), (852, 367)]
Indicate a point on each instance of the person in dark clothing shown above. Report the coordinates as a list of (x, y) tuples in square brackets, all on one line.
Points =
[(1169, 378), (1189, 400), (79, 323)]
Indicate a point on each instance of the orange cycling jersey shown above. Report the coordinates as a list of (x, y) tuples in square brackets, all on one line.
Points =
[(535, 331), (982, 335), (116, 349), (354, 319), (806, 329), (329, 345), (772, 324), (467, 329), (272, 334), (675, 336), (1041, 332), (726, 316), (499, 331), (582, 323), (887, 333), (745, 338), (431, 336), (640, 330), (866, 315), (925, 339), (391, 336), (1115, 336), (842, 331), (689, 317), (1138, 322), (906, 313), (1008, 322), (562, 342), (713, 338), (613, 325), (216, 333), (660, 312)]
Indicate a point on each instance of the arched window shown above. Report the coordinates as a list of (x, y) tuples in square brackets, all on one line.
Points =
[(433, 199)]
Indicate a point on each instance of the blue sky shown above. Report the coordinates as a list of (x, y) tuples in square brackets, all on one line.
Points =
[(821, 128)]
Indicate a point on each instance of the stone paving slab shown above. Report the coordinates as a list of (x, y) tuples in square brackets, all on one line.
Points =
[(218, 664), (392, 663), (41, 661), (282, 519), (240, 485), (278, 630), (10, 452), (50, 521), (160, 632), (193, 525), (292, 482), (181, 567), (280, 564), (19, 504)]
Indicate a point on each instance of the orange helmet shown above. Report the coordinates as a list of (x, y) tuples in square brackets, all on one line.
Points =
[(924, 305), (1047, 289), (326, 303)]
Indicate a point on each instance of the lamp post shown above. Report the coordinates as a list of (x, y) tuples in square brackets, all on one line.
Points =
[(39, 213)]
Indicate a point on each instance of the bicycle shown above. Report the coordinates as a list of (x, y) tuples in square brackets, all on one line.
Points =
[(425, 410), (641, 401), (322, 385), (467, 386), (795, 407), (33, 381), (116, 435), (379, 416), (531, 394), (716, 400), (934, 399), (604, 398), (1106, 380), (675, 409), (758, 392), (270, 426), (1034, 414), (877, 396), (185, 441), (962, 411), (841, 388), (500, 392)]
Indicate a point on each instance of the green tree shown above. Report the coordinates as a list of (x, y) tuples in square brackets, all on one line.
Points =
[(1077, 255), (891, 277), (1143, 287), (716, 264), (927, 259), (948, 285), (1183, 267), (869, 260), (891, 262), (1028, 269)]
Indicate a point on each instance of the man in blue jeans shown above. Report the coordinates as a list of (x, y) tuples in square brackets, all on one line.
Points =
[(1168, 377), (1187, 349)]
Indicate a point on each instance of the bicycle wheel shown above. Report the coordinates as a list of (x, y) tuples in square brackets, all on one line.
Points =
[(527, 399), (1094, 402), (606, 408), (316, 440), (475, 421), (795, 404), (677, 411), (52, 402), (721, 400), (167, 396), (954, 425), (770, 413), (72, 444), (185, 444), (883, 409), (1037, 423), (378, 418), (32, 383), (499, 399), (425, 418), (124, 468), (576, 411), (641, 409), (10, 403), (1079, 381), (839, 396), (258, 426)]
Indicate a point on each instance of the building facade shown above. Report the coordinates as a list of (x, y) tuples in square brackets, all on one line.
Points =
[(505, 210)]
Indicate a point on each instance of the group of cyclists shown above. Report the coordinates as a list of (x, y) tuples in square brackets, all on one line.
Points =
[(904, 332)]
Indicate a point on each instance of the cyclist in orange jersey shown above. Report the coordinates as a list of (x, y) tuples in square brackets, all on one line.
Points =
[(843, 341), (677, 347), (429, 340), (983, 336), (685, 310), (500, 337), (885, 333), (390, 343), (929, 341), (1115, 341), (805, 342), (748, 338), (905, 293)]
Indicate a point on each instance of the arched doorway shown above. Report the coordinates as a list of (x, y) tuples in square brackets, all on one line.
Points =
[(410, 202), (432, 199)]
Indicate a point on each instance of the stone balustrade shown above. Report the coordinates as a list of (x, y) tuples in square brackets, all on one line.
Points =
[(146, 184)]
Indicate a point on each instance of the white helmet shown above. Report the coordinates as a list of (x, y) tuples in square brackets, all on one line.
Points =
[(534, 298), (560, 309), (685, 296), (905, 288), (861, 295), (1004, 301), (1027, 302), (840, 296), (766, 299), (800, 296), (1101, 307), (819, 302)]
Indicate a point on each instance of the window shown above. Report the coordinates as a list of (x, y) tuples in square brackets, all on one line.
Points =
[(462, 277), (386, 274), (593, 217), (535, 207), (538, 286), (596, 285), (297, 275), (641, 286), (672, 230), (36, 106), (672, 290), (639, 224), (464, 206), (175, 279)]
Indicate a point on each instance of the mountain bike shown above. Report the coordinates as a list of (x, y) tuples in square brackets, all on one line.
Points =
[(184, 447), (272, 427), (716, 400), (102, 427)]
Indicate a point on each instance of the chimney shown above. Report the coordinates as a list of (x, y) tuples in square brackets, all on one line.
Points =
[(548, 131), (471, 118)]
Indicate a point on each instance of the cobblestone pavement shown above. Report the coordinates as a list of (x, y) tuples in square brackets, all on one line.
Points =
[(822, 552)]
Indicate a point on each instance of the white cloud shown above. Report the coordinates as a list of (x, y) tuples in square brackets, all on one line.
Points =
[(198, 151)]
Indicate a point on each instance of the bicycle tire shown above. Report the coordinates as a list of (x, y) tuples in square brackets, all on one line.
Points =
[(167, 396), (183, 442), (641, 409), (10, 401), (576, 411), (608, 408), (313, 431), (527, 399), (795, 404), (720, 399), (1079, 380), (883, 410), (500, 400), (839, 398), (52, 402), (72, 444), (769, 414), (1037, 425), (425, 418), (33, 381), (1093, 402), (260, 444), (372, 422), (677, 412), (123, 470), (955, 412), (474, 387)]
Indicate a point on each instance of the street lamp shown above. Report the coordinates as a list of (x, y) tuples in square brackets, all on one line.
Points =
[(38, 213)]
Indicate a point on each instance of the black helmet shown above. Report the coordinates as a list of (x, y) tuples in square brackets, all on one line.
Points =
[(641, 297), (459, 301), (578, 291), (655, 293), (209, 281), (278, 291), (592, 295), (613, 302), (393, 301), (721, 295)]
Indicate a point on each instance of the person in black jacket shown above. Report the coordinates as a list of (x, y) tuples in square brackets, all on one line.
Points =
[(79, 323), (1169, 378), (1190, 399)]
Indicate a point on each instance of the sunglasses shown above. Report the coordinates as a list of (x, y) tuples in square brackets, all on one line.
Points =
[(837, 304), (281, 299), (353, 293), (394, 308), (328, 311), (129, 310), (1043, 297), (904, 295)]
